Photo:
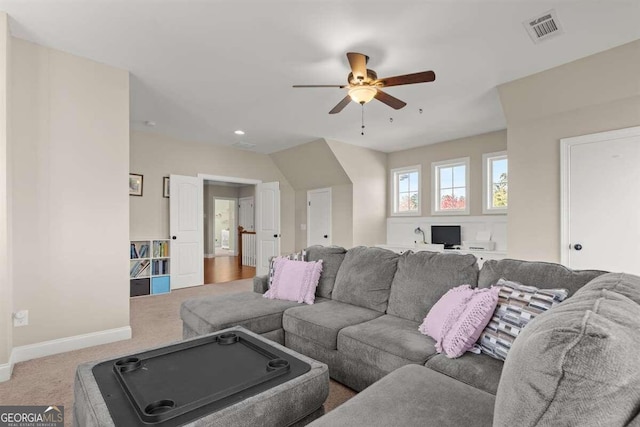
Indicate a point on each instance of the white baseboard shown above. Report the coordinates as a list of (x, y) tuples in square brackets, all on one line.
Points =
[(76, 342), (209, 255), (6, 369)]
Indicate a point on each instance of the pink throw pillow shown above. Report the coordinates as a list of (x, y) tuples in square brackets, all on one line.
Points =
[(295, 280), (459, 317)]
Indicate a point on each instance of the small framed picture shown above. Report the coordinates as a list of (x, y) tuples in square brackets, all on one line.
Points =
[(165, 187), (135, 184)]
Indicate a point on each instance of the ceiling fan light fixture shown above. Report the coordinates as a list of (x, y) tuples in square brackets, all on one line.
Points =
[(362, 94)]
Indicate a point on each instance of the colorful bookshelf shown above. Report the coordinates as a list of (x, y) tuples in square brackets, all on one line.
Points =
[(149, 267)]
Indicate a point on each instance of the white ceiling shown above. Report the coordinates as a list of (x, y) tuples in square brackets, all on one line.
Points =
[(202, 69)]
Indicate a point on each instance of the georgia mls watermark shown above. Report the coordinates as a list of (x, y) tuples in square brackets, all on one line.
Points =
[(31, 416)]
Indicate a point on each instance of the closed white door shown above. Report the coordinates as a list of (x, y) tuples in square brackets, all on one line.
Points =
[(267, 224), (246, 215), (185, 228), (601, 195), (319, 217)]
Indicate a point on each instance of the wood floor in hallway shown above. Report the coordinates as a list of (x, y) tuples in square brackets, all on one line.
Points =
[(225, 269)]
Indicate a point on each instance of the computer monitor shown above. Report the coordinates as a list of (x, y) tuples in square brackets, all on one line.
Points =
[(447, 235)]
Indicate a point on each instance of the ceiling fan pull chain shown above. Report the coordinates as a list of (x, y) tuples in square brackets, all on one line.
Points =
[(362, 131)]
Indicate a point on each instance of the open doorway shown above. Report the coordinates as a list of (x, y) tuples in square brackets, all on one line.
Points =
[(224, 224), (225, 210)]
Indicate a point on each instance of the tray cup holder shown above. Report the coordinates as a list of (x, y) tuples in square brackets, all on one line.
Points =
[(128, 364), (159, 407), (228, 338), (275, 364)]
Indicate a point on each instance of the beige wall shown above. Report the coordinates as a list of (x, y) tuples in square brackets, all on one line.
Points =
[(473, 147), (594, 94), (6, 281), (367, 171), (247, 191), (156, 156), (312, 166), (70, 125), (341, 216)]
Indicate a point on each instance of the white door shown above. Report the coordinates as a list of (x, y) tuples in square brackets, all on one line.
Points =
[(601, 201), (319, 217), (246, 215), (185, 229), (267, 224)]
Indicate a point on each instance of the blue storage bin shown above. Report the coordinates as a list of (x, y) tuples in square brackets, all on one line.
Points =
[(160, 285)]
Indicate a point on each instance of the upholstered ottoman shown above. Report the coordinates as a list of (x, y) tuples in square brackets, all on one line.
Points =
[(297, 401)]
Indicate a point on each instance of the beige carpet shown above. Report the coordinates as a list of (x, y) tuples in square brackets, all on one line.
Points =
[(155, 320)]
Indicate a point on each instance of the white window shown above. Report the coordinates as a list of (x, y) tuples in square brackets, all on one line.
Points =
[(495, 183), (405, 183), (450, 187)]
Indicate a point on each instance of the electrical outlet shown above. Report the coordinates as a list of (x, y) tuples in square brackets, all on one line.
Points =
[(21, 318)]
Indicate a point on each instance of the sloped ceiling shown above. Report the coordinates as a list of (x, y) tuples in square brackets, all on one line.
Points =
[(311, 165)]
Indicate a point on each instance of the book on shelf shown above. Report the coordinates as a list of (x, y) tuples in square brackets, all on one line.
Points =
[(144, 268), (138, 268), (134, 252), (160, 249), (144, 251)]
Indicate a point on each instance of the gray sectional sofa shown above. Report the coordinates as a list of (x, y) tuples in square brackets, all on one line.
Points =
[(364, 326)]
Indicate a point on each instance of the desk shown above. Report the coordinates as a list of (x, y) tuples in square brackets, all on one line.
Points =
[(481, 256)]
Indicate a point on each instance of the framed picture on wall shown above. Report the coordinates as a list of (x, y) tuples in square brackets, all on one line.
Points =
[(165, 187), (135, 184)]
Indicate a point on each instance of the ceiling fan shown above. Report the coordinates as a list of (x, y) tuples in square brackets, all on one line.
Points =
[(364, 84)]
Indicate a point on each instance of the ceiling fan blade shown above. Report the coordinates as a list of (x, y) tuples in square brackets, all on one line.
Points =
[(358, 63), (338, 86), (391, 101), (407, 79), (345, 101)]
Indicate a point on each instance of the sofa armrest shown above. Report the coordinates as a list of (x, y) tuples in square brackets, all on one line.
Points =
[(261, 284)]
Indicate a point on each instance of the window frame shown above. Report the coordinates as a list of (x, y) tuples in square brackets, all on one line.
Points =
[(435, 186), (487, 183), (394, 190)]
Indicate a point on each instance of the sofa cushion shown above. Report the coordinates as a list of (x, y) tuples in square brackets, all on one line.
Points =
[(424, 277), (576, 364), (477, 370), (622, 284), (322, 322), (539, 274), (332, 257), (414, 396), (365, 276), (387, 342), (249, 309)]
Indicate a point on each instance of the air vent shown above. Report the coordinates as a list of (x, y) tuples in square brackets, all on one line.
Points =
[(543, 27), (243, 145)]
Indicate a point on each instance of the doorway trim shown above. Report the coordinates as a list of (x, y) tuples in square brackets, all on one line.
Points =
[(565, 181), (309, 193)]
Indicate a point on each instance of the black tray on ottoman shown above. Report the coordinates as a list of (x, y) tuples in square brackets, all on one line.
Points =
[(206, 377)]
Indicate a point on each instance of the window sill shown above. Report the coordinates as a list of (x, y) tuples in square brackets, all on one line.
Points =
[(401, 214)]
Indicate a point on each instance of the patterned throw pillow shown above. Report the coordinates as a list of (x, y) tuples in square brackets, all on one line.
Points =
[(517, 306), (295, 280), (296, 256)]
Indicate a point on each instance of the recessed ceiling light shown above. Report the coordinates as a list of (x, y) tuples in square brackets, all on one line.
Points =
[(239, 132)]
